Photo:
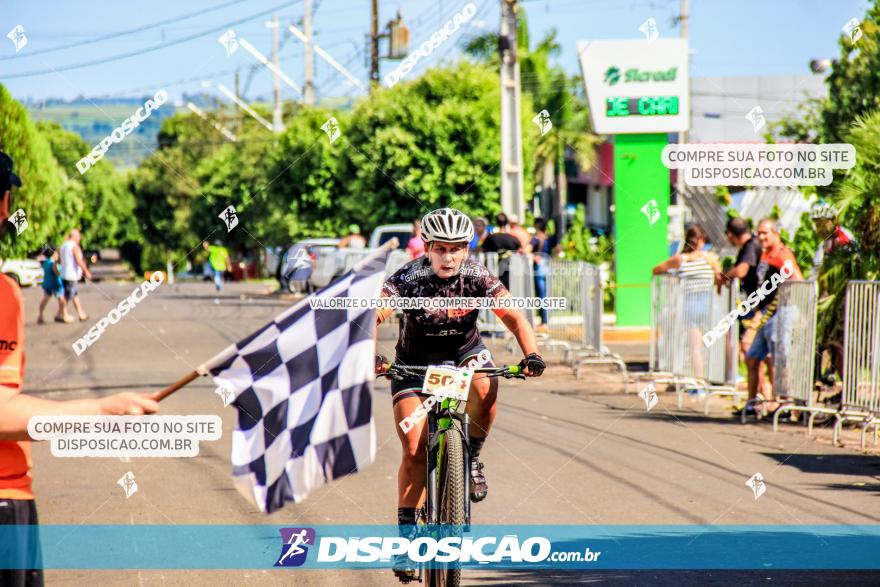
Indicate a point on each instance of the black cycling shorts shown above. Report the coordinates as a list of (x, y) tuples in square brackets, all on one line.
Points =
[(22, 546), (474, 357)]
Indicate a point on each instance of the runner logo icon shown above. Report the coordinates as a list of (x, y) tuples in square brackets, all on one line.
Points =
[(293, 547)]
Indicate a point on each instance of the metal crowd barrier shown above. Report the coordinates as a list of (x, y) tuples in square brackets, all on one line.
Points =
[(861, 365), (396, 259), (663, 308), (681, 312), (589, 304), (795, 356), (565, 326), (577, 329), (487, 321), (522, 281)]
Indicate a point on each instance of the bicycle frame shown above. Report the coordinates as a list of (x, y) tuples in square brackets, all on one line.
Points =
[(441, 420), (448, 416)]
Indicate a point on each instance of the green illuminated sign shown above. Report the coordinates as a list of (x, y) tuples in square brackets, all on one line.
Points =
[(634, 74), (642, 106)]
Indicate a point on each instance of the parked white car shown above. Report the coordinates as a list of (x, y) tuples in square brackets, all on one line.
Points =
[(302, 261), (384, 233), (329, 262), (25, 272)]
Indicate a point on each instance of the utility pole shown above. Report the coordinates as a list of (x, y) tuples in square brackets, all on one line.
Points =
[(325, 56), (512, 200), (374, 43), (309, 56), (277, 124), (238, 121), (683, 136)]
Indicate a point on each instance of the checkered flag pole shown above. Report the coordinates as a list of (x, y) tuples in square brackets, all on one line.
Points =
[(302, 387)]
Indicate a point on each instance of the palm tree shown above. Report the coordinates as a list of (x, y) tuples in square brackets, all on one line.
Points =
[(858, 199), (552, 90)]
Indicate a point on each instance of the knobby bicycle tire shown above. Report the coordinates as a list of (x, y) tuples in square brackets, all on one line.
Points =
[(451, 500)]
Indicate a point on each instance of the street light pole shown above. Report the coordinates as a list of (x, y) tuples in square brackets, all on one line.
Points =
[(683, 135), (309, 56), (512, 200)]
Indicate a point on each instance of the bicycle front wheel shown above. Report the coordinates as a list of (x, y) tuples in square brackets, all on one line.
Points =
[(451, 496)]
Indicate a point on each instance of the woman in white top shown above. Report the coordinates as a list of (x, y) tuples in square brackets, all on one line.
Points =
[(700, 272)]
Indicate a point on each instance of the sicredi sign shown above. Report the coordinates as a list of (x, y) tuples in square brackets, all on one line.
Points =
[(635, 87)]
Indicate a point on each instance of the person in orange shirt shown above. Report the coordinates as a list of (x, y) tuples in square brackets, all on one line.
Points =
[(17, 505)]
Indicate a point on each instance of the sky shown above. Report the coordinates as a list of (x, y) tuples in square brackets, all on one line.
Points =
[(727, 38)]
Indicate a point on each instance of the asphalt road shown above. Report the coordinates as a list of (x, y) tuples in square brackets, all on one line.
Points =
[(562, 452)]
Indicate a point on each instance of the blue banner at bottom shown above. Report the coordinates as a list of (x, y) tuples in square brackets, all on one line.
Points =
[(557, 547)]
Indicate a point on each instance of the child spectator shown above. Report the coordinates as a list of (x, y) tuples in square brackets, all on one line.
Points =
[(52, 286)]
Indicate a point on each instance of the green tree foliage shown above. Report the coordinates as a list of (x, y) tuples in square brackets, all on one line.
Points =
[(579, 244), (190, 179), (107, 218), (858, 199), (307, 195), (858, 195), (853, 85), (550, 89), (804, 245), (422, 144), (425, 143), (850, 113), (53, 203)]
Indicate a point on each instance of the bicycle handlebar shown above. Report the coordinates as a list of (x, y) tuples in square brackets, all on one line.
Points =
[(397, 370)]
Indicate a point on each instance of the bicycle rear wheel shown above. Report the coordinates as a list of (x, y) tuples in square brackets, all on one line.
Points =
[(451, 495)]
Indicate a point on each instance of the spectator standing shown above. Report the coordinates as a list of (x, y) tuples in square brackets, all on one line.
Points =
[(481, 231), (501, 240), (774, 256), (505, 244), (218, 259), (416, 246), (745, 268), (53, 286), (353, 240), (699, 271), (73, 267), (521, 234), (540, 245), (17, 505)]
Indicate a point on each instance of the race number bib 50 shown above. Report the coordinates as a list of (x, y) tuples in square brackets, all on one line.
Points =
[(441, 381)]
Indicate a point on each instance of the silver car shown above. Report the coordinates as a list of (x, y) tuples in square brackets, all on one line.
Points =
[(303, 260)]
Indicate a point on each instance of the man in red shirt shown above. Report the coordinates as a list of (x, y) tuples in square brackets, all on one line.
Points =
[(777, 264), (16, 497)]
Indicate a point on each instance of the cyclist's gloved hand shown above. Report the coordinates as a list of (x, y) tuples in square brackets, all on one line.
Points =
[(380, 361), (533, 364)]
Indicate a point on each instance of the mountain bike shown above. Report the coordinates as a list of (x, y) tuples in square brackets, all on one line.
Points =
[(448, 504)]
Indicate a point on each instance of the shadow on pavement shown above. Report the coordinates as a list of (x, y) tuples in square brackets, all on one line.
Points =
[(834, 464), (875, 487)]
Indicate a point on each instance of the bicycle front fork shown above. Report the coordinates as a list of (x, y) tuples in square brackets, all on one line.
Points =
[(433, 481)]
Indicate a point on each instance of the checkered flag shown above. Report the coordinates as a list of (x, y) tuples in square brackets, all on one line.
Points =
[(302, 387)]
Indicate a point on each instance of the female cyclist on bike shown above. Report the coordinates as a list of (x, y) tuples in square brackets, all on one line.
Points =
[(430, 337)]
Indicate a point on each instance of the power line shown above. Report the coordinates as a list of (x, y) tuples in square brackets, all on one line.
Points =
[(122, 33), (154, 47), (478, 16)]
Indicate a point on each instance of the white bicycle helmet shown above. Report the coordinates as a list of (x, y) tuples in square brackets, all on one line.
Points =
[(823, 210), (447, 224)]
